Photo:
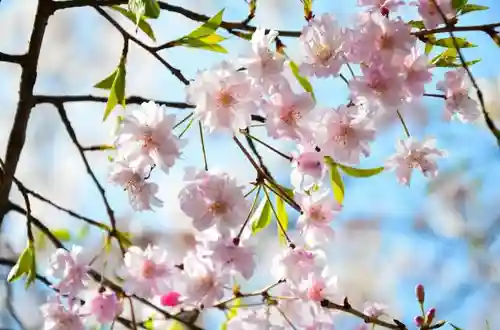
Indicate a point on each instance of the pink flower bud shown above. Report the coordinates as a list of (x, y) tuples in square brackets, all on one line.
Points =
[(420, 293), (419, 321), (171, 299), (431, 313)]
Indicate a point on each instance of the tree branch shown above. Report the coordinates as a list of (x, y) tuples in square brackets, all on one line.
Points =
[(9, 58), (487, 28), (17, 134)]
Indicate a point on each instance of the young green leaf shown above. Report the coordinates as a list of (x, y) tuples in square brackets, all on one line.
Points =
[(208, 28), (307, 9), (117, 93), (23, 265), (198, 43), (32, 271), (124, 238), (148, 324), (303, 81), (458, 4), (233, 311), (361, 172), (84, 231), (152, 9), (262, 216), (62, 234), (138, 8), (417, 24), (107, 82), (335, 180), (448, 43), (282, 218), (142, 24), (470, 8), (428, 48)]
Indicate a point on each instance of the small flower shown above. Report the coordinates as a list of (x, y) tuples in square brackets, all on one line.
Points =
[(417, 74), (105, 306), (296, 264), (375, 309), (383, 6), (412, 154), (71, 268), (147, 273), (431, 15), (57, 317), (308, 168)]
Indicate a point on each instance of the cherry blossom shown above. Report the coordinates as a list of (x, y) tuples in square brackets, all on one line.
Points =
[(417, 74), (171, 299), (141, 194), (375, 309), (308, 168), (105, 306), (224, 98), (322, 42), (252, 319), (430, 14), (345, 134), (458, 101), (383, 6), (57, 317), (318, 208), (296, 264), (213, 199), (412, 154), (145, 137), (289, 114), (264, 66), (147, 273), (204, 281), (71, 268)]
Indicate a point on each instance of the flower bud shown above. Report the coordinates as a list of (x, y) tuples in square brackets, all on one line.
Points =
[(419, 321), (431, 313), (420, 293), (170, 299)]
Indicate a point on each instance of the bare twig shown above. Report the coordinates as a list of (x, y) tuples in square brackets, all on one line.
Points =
[(9, 58), (487, 28)]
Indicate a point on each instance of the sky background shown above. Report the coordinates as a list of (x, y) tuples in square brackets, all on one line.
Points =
[(389, 237)]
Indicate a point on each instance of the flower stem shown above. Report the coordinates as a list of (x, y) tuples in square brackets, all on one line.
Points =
[(203, 146), (407, 132)]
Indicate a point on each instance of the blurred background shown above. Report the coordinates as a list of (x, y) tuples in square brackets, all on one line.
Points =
[(441, 233)]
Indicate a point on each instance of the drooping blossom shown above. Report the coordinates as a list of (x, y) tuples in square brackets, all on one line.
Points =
[(295, 264), (308, 168), (145, 137), (412, 154), (417, 75), (141, 194), (147, 273), (383, 6), (203, 281), (105, 306), (224, 98), (288, 115), (57, 317), (431, 15), (345, 134), (238, 259), (213, 199), (319, 209), (252, 319), (71, 268), (264, 66), (458, 101), (322, 41)]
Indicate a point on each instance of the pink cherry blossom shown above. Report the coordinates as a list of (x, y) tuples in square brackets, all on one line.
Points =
[(236, 258), (319, 286), (171, 299), (417, 74), (204, 281), (213, 199), (375, 309), (307, 167), (319, 209), (412, 154), (322, 42), (297, 310), (383, 6), (264, 66), (289, 114), (252, 319), (381, 83), (345, 134), (57, 317), (296, 264), (71, 268), (430, 14), (147, 273), (105, 306), (145, 137), (141, 194), (224, 98), (458, 101)]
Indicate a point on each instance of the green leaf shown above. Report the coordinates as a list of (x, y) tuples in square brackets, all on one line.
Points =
[(470, 8), (198, 43), (458, 4), (262, 216), (40, 239), (455, 327), (417, 24), (23, 265), (448, 43), (233, 311), (84, 231), (117, 93), (428, 48), (307, 9), (303, 81), (62, 234), (335, 180), (282, 218), (361, 172), (142, 24), (148, 324), (32, 271), (208, 28), (107, 82), (124, 238), (153, 9), (138, 8)]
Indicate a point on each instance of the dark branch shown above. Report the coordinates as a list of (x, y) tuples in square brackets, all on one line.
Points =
[(15, 59), (487, 28)]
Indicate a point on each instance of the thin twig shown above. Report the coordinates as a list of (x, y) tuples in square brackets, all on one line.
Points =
[(289, 158), (202, 140), (487, 28), (407, 132), (441, 96)]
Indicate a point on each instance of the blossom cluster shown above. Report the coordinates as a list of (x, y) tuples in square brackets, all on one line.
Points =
[(393, 74)]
